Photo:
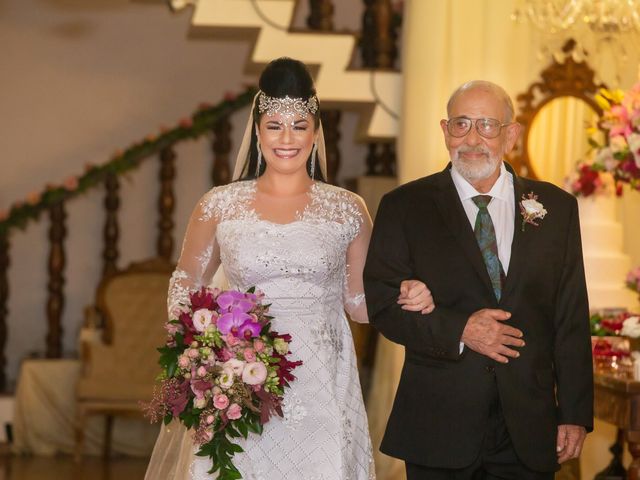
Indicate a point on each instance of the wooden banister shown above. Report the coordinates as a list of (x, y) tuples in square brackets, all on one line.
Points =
[(111, 228), (221, 146), (55, 286), (166, 203)]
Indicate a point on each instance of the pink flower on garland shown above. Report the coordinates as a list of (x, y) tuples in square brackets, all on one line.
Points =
[(186, 122), (70, 183)]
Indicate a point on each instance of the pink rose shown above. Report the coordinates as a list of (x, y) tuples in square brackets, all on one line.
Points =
[(210, 419), (183, 361), (254, 373), (249, 355), (225, 354), (173, 328), (231, 340), (220, 401), (200, 403), (202, 371), (258, 345), (193, 353), (234, 412)]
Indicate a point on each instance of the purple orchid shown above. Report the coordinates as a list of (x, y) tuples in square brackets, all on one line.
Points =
[(236, 320), (233, 300), (232, 321), (250, 329)]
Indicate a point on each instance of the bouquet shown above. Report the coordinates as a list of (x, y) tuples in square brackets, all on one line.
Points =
[(616, 159), (224, 372)]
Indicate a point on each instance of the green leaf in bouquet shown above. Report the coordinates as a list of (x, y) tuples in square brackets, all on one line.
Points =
[(167, 419), (242, 428), (251, 289), (231, 431)]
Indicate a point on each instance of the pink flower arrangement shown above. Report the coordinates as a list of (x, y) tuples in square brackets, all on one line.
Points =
[(619, 155), (224, 372)]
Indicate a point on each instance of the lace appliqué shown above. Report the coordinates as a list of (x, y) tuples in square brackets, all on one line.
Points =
[(178, 293), (354, 300), (228, 202), (293, 411), (204, 258), (330, 203)]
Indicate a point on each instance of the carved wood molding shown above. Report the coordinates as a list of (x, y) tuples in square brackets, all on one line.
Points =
[(560, 79), (320, 15)]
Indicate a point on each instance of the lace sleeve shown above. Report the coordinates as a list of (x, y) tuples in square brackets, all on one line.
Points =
[(200, 256), (353, 295)]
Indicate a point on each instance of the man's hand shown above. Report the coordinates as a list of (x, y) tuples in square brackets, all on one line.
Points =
[(415, 297), (486, 334), (570, 440)]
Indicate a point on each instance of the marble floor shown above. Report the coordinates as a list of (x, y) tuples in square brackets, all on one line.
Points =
[(64, 468)]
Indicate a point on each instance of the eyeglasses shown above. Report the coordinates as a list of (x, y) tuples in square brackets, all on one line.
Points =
[(486, 127)]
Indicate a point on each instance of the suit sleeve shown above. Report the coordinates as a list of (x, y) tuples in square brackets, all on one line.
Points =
[(572, 351), (389, 262)]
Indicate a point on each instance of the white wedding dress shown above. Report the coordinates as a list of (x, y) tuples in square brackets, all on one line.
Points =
[(310, 270)]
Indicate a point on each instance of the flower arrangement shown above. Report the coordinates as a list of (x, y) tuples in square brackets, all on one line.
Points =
[(608, 325), (224, 372), (206, 116), (616, 160)]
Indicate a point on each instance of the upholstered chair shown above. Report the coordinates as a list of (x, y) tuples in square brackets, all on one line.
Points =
[(120, 371)]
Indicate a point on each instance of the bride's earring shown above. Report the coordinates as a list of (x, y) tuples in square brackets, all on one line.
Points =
[(312, 169), (259, 162)]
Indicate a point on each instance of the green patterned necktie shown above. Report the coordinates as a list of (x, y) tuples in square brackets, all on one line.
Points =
[(486, 237)]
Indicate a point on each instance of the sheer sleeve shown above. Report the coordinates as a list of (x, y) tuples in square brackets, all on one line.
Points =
[(353, 295), (200, 256)]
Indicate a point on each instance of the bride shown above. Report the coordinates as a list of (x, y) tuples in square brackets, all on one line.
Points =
[(302, 242)]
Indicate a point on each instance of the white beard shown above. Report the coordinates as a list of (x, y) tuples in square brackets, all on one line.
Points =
[(474, 170)]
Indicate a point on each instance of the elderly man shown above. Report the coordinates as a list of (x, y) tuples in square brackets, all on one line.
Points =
[(497, 380)]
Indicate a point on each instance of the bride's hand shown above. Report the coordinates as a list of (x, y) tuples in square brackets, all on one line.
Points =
[(415, 297)]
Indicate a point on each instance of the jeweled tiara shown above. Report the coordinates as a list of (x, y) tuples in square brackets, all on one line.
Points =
[(287, 106)]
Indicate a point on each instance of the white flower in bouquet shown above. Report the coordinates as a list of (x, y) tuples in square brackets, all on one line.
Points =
[(631, 327), (234, 364), (202, 319)]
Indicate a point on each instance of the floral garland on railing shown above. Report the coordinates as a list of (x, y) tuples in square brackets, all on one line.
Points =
[(616, 161), (20, 212)]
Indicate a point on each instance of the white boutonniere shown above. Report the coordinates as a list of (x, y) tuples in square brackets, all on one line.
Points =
[(531, 210)]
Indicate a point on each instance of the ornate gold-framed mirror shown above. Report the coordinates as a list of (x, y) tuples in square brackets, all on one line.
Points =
[(554, 113)]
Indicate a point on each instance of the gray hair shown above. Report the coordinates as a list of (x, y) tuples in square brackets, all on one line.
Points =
[(497, 90)]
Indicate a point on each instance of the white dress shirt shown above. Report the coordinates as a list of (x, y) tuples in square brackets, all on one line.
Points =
[(501, 209)]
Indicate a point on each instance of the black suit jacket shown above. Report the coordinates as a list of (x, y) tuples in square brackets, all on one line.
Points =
[(441, 407)]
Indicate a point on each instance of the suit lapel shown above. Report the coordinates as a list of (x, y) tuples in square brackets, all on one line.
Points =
[(520, 238), (456, 220)]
